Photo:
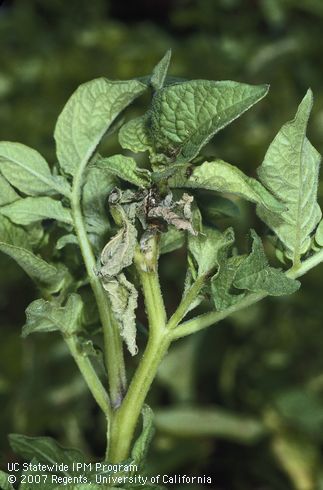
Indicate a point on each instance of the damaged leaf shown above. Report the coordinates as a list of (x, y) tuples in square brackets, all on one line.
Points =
[(123, 297), (177, 213), (119, 251)]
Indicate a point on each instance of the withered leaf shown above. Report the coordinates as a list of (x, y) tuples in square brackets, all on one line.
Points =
[(177, 213), (123, 297), (119, 251)]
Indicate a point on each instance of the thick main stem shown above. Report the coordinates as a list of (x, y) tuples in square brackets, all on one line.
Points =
[(126, 418), (112, 340)]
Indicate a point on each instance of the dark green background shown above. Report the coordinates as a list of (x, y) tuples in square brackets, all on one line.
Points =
[(266, 362)]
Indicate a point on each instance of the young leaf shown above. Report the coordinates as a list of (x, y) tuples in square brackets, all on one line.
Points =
[(28, 171), (7, 193), (87, 116), (123, 297), (141, 446), (4, 484), (45, 450), (222, 177), (319, 234), (256, 275), (126, 169), (46, 316), (185, 116), (34, 209), (290, 171), (119, 251), (134, 135), (212, 206), (160, 71)]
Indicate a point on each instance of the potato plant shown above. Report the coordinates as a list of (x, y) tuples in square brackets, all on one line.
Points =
[(120, 213)]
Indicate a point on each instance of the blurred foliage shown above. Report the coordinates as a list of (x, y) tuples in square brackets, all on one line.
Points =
[(264, 364)]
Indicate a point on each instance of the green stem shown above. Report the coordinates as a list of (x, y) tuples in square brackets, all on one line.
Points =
[(208, 319), (112, 340), (126, 418), (90, 376), (151, 289), (184, 305), (203, 321)]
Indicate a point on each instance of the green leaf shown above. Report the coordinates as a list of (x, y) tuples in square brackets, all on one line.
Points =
[(256, 275), (97, 187), (160, 71), (13, 242), (171, 240), (185, 116), (87, 116), (222, 177), (290, 171), (222, 281), (119, 251), (126, 169), (34, 209), (319, 234), (134, 135), (46, 450), (124, 298), (28, 171), (7, 193), (141, 446), (209, 422), (45, 316), (4, 484), (13, 235), (35, 267), (205, 248)]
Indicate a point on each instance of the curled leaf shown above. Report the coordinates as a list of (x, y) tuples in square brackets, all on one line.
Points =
[(46, 316), (176, 213), (123, 297), (290, 171), (119, 251)]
